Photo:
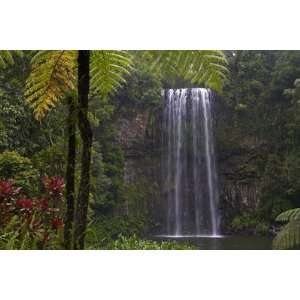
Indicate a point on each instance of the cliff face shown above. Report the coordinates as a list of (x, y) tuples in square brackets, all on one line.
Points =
[(142, 177), (240, 190), (241, 160), (239, 184)]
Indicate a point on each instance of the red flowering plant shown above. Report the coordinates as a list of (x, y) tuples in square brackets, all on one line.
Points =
[(40, 219), (54, 186), (8, 194)]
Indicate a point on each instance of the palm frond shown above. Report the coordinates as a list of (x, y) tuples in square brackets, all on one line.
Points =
[(108, 70), (288, 237), (53, 74), (289, 215), (206, 67), (7, 57)]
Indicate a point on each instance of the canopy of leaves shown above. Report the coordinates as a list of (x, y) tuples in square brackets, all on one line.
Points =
[(201, 67)]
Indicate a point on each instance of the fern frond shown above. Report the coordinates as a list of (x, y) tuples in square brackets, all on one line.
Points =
[(288, 237), (289, 215), (206, 67), (7, 57), (108, 70), (53, 75)]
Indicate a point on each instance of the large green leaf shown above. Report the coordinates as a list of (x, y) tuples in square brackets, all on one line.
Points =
[(288, 237), (7, 57), (202, 67), (108, 70), (289, 215)]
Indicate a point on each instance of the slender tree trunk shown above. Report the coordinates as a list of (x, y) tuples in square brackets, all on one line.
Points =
[(70, 173), (86, 136)]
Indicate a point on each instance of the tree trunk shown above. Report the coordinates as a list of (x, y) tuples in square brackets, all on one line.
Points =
[(70, 173), (86, 136)]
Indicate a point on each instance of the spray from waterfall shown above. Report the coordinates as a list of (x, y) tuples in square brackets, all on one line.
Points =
[(188, 162)]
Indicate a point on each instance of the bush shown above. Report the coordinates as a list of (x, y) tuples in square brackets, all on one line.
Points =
[(126, 233), (104, 231), (51, 160), (15, 167), (134, 243), (31, 223), (249, 224)]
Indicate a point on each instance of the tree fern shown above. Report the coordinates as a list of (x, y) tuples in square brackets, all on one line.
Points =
[(207, 67), (7, 57), (108, 70), (52, 76), (289, 215), (54, 72), (289, 235)]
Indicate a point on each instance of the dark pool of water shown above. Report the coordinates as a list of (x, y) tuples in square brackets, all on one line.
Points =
[(225, 242)]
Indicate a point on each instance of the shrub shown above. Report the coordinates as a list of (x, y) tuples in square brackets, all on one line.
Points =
[(31, 223), (51, 160), (105, 230), (15, 167), (250, 224), (134, 243)]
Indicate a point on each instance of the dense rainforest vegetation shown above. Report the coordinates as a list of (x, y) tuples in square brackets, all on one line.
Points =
[(67, 141), (262, 99)]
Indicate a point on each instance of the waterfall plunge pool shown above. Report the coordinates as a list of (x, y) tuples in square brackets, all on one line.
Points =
[(230, 242)]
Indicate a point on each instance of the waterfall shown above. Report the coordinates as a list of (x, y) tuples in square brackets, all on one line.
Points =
[(188, 162)]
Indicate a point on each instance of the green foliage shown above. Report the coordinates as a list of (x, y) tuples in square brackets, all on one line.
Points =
[(289, 235), (105, 230), (107, 169), (51, 160), (249, 223), (289, 215), (7, 57), (19, 131), (52, 76), (134, 243), (16, 235), (205, 67), (143, 87), (258, 128), (20, 169), (31, 223), (108, 70)]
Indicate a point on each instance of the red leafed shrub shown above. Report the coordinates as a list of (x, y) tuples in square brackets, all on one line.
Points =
[(7, 189), (43, 203), (8, 194), (41, 218), (54, 186), (24, 203), (57, 223)]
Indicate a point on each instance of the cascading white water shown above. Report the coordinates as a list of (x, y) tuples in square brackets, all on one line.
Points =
[(210, 157), (189, 163)]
